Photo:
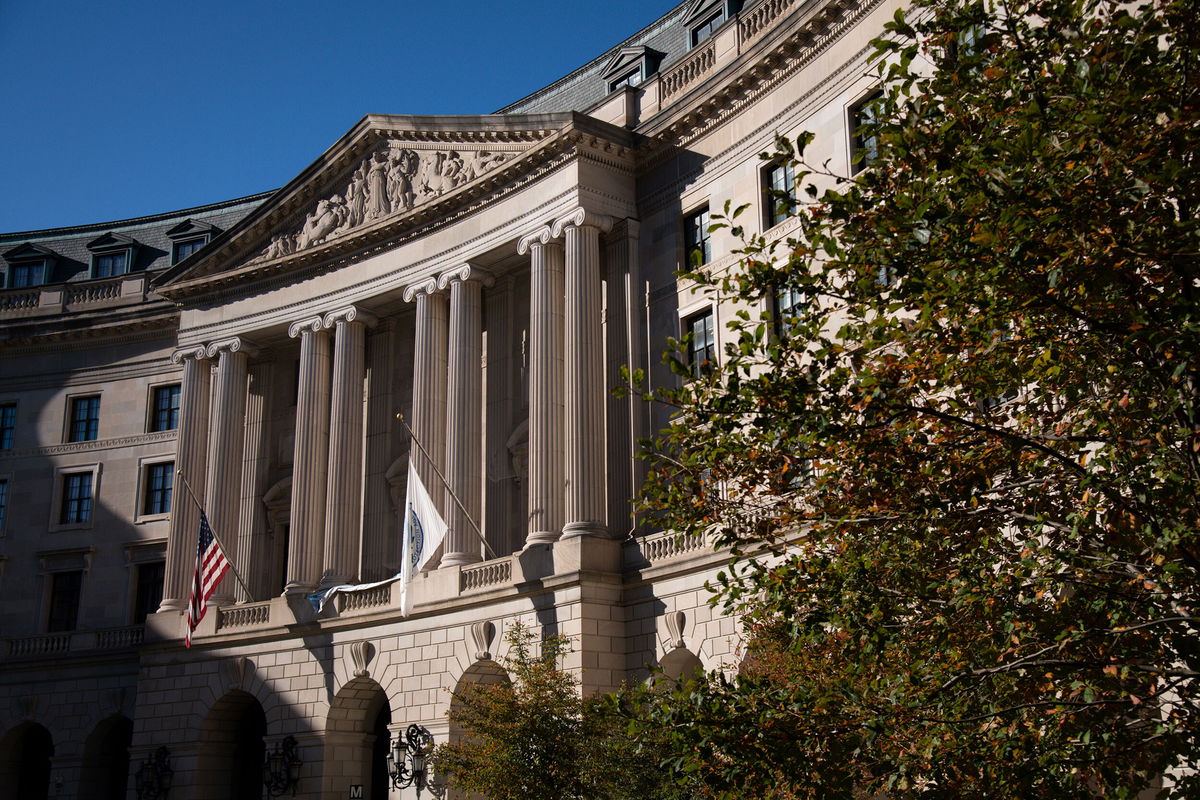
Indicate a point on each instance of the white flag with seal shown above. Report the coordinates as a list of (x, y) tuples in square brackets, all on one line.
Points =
[(424, 530)]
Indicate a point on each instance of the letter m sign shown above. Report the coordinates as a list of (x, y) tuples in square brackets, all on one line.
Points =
[(356, 792)]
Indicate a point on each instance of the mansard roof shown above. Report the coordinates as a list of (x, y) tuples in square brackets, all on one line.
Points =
[(388, 179)]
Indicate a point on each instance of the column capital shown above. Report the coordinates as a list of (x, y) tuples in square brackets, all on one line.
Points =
[(234, 344), (540, 237), (579, 218), (467, 272), (197, 351), (426, 286), (309, 325), (349, 314)]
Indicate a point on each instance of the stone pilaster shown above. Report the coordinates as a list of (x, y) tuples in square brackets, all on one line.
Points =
[(584, 379), (307, 525), (429, 387), (464, 430), (254, 551), (225, 452), (545, 385), (343, 498), (191, 459)]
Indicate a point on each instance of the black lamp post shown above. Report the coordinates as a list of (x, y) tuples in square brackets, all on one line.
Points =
[(281, 769), (154, 776), (408, 760)]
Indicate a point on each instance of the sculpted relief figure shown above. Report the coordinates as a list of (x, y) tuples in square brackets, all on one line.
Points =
[(394, 179)]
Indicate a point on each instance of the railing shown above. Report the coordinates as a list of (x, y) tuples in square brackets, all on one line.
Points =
[(374, 597), (756, 20), (40, 645), (17, 300), (669, 544), (244, 615), (690, 70), (93, 291), (489, 573), (116, 638)]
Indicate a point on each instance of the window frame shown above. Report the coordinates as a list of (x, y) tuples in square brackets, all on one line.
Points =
[(772, 194), (8, 425), (869, 146), (72, 400), (57, 510), (5, 495), (177, 246), (37, 273), (703, 242), (153, 410), (136, 586), (707, 26), (126, 252), (631, 78), (700, 368), (51, 581), (780, 311), (146, 468)]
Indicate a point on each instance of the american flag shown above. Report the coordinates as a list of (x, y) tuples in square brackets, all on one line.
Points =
[(211, 565)]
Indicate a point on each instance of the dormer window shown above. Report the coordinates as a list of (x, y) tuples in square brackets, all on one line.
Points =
[(704, 17), (187, 237), (112, 255), (630, 67), (28, 265), (704, 31)]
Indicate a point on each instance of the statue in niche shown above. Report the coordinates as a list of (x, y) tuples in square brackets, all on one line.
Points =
[(404, 164), (377, 198)]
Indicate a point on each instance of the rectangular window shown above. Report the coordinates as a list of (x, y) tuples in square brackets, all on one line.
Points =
[(8, 425), (705, 30), (64, 601), (76, 498), (110, 265), (702, 351), (697, 241), (165, 416), (160, 480), (630, 79), (780, 193), (148, 591), (22, 276), (788, 305), (181, 250), (85, 419), (865, 140), (3, 504)]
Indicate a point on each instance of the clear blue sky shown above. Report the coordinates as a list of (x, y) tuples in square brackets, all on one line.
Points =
[(118, 109)]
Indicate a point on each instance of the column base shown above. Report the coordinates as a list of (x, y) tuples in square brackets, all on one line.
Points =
[(585, 528), (458, 559), (542, 537)]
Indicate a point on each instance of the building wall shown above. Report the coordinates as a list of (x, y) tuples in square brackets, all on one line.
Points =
[(267, 664)]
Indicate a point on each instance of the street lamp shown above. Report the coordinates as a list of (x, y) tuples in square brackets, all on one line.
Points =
[(408, 760), (281, 769), (154, 776)]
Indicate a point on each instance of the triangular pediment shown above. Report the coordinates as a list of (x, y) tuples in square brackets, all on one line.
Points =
[(190, 227), (386, 176), (702, 8), (27, 251), (110, 241), (629, 57)]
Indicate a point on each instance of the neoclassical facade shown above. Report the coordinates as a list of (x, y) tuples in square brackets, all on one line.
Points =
[(454, 294)]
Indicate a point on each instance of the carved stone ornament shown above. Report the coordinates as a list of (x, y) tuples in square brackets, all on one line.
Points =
[(482, 634), (360, 656), (676, 624), (466, 272), (392, 180), (198, 352), (29, 705), (236, 669)]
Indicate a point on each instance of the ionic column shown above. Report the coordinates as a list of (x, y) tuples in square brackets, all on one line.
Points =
[(191, 458), (343, 497), (545, 386), (225, 452), (429, 387), (307, 524), (584, 380), (464, 428)]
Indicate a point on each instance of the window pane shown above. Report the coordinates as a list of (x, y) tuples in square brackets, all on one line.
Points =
[(22, 276), (8, 425), (112, 264), (3, 503), (185, 249), (781, 187), (702, 351), (160, 480), (85, 419), (866, 142), (64, 601), (696, 238), (148, 595), (788, 304), (166, 409), (77, 498)]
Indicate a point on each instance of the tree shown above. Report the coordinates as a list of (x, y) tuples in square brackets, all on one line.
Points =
[(537, 736), (960, 478)]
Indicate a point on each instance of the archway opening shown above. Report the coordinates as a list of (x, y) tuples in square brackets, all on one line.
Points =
[(106, 760), (380, 780), (232, 749), (25, 761), (357, 734)]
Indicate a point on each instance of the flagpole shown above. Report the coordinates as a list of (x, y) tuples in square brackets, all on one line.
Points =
[(446, 483), (192, 495)]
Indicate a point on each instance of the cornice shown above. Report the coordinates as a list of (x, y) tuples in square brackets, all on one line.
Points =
[(92, 446)]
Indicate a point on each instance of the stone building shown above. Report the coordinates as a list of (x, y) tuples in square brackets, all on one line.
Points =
[(455, 292)]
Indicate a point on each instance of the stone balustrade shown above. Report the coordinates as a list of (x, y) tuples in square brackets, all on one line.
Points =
[(56, 644), (486, 574)]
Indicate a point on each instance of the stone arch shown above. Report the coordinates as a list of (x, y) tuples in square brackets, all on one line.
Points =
[(352, 728), (484, 672), (104, 773), (25, 758), (232, 748)]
